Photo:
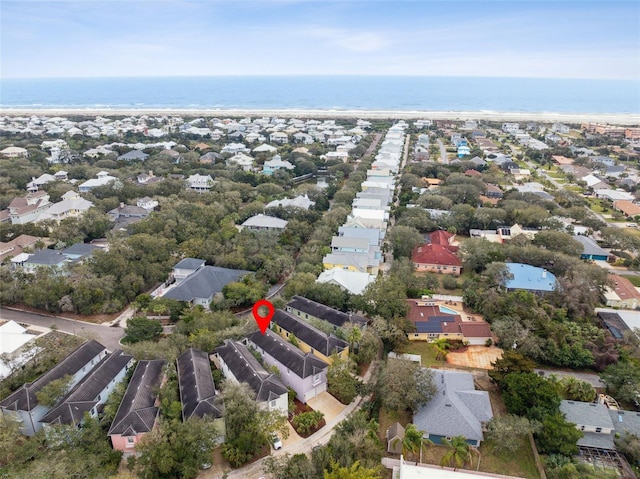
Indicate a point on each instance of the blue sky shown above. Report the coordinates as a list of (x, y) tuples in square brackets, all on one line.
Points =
[(571, 39)]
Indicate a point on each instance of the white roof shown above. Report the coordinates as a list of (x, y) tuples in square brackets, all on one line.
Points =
[(354, 282), (297, 202), (13, 149), (264, 221), (79, 204), (264, 147), (12, 337)]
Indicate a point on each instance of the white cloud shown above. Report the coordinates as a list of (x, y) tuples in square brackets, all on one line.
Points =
[(354, 41)]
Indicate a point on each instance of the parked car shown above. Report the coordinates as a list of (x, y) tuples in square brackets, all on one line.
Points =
[(276, 442)]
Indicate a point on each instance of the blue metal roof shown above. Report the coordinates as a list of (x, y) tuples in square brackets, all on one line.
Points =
[(530, 278)]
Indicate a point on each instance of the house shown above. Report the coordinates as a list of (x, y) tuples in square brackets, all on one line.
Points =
[(627, 207), (12, 338), (265, 148), (200, 183), (346, 244), (132, 155), (301, 201), (242, 161), (27, 209), (125, 215), (13, 248), (373, 235), (308, 338), (435, 321), (138, 410), (279, 137), (239, 365), (303, 372), (622, 294), (503, 233), (275, 164), (456, 409), (354, 282), (92, 392), (23, 403), (530, 278), (79, 251), (45, 258), (144, 179), (395, 438), (14, 152), (591, 250), (436, 258), (210, 158), (185, 267), (368, 262), (593, 420), (147, 203), (38, 182), (262, 222), (307, 309), (103, 178), (71, 205), (493, 191), (205, 284), (198, 394)]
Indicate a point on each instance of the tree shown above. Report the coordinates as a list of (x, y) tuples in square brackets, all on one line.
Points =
[(340, 381), (575, 389), (140, 328), (175, 449), (307, 421), (405, 385), (403, 239), (458, 452), (355, 471), (504, 430), (527, 394), (629, 445), (442, 348), (53, 391), (511, 362), (287, 467), (558, 241), (414, 441), (623, 380), (558, 436)]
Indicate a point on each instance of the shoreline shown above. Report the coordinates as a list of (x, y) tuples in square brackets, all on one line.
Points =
[(547, 117)]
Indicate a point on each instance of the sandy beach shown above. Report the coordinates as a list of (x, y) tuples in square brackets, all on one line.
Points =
[(550, 117)]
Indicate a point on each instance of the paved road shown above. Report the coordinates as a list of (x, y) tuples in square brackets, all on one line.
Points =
[(109, 336), (443, 152), (591, 378)]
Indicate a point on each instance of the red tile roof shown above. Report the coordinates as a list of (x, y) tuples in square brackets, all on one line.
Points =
[(475, 330), (434, 254), (623, 287)]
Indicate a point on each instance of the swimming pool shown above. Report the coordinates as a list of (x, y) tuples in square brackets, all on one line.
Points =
[(445, 310)]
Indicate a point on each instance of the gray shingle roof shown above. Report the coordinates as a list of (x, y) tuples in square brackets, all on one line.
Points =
[(137, 412), (586, 414), (326, 344), (47, 257), (133, 155), (589, 246), (320, 311), (81, 249), (83, 396), (301, 364), (457, 409), (246, 368), (24, 399), (205, 282), (197, 391), (372, 234), (189, 263), (625, 421)]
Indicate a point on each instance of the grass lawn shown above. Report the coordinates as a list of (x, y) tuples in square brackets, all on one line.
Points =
[(387, 418), (635, 280), (426, 350), (519, 463)]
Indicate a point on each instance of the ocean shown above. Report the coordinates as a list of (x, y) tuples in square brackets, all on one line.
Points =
[(325, 93)]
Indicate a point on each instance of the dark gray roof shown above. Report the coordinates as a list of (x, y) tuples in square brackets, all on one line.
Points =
[(133, 155), (81, 249), (205, 282), (84, 395), (625, 421), (434, 324), (586, 414), (301, 364), (47, 257), (24, 399), (325, 313), (197, 391), (596, 439), (137, 412), (246, 368), (589, 246), (457, 409), (614, 323), (326, 344), (189, 263)]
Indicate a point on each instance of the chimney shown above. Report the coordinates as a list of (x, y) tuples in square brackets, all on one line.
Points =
[(121, 205)]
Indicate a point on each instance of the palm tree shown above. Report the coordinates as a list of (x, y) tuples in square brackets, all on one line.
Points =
[(354, 336), (442, 346), (458, 454), (414, 440)]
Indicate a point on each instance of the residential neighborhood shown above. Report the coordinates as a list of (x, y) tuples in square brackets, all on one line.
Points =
[(437, 287)]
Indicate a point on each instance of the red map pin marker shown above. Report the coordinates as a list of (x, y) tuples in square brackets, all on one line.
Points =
[(263, 321)]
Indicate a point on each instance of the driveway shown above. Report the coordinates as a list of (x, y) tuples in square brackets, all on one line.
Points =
[(474, 357), (591, 378), (327, 404), (109, 336)]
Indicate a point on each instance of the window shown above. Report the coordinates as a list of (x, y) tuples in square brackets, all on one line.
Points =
[(415, 335), (316, 378), (288, 371), (455, 268), (598, 429), (131, 441), (272, 404)]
